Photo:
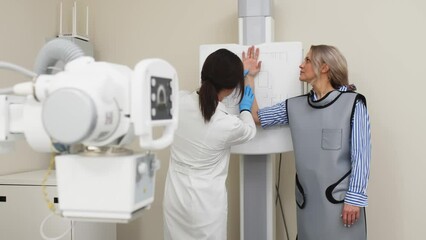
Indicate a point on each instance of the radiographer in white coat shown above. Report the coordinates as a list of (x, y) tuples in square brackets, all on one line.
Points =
[(195, 198)]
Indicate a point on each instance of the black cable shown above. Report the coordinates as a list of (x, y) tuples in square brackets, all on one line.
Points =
[(279, 178), (278, 197), (282, 214)]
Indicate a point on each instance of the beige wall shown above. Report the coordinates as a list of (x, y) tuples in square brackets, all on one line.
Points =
[(385, 46), (384, 42), (24, 27)]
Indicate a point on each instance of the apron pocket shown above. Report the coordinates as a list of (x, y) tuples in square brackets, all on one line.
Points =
[(331, 139)]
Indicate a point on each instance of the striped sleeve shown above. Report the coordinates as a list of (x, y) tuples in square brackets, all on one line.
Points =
[(360, 157), (274, 115)]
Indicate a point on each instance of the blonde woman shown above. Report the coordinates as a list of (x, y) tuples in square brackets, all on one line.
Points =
[(331, 137)]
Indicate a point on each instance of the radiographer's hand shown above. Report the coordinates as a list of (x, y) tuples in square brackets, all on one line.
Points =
[(250, 61), (350, 214), (247, 100)]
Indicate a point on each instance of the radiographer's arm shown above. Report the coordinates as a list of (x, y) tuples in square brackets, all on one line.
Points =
[(243, 130), (249, 81), (360, 157), (243, 127)]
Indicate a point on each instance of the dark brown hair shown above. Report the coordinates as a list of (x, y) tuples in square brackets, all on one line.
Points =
[(222, 70)]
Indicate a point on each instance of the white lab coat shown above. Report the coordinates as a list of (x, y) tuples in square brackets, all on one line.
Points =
[(195, 198)]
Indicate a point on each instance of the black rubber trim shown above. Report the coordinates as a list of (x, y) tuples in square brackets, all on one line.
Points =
[(365, 221), (286, 109), (362, 99), (320, 107), (245, 110), (329, 190), (299, 186)]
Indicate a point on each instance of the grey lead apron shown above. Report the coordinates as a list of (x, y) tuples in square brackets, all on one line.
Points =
[(321, 133)]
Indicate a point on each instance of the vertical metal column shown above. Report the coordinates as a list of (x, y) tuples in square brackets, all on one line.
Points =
[(255, 21), (257, 213), (256, 171)]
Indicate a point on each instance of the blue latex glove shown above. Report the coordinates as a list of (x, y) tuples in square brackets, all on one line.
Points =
[(247, 100), (246, 72)]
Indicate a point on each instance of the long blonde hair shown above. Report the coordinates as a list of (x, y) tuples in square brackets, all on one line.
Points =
[(336, 62)]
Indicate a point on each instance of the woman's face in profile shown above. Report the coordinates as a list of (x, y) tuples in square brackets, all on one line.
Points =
[(307, 73)]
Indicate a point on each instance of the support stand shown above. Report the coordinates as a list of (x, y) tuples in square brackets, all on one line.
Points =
[(256, 171)]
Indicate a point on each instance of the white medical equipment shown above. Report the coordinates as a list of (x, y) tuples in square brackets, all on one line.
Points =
[(89, 112)]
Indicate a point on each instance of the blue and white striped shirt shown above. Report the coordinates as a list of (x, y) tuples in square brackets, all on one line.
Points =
[(360, 146)]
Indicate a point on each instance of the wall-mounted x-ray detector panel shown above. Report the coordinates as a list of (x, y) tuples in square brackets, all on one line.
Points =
[(277, 81)]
